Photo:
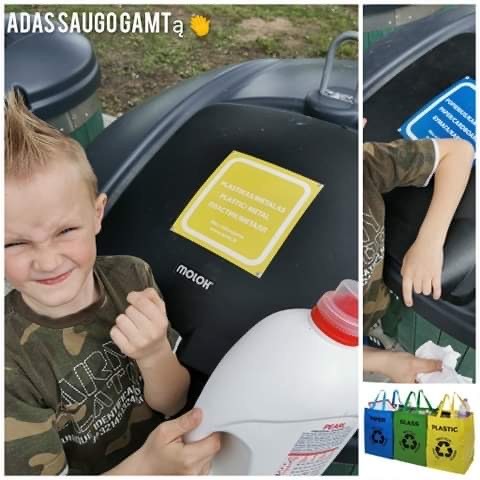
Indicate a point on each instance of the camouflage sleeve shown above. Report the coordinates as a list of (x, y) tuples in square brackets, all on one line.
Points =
[(401, 163), (32, 443), (147, 274)]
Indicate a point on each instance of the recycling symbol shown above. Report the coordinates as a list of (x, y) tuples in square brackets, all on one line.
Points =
[(444, 449), (378, 437), (409, 442)]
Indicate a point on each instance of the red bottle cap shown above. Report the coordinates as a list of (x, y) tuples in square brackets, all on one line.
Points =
[(336, 313)]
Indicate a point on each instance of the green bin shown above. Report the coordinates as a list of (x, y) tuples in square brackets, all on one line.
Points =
[(380, 20)]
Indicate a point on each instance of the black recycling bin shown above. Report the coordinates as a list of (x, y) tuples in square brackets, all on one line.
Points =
[(402, 73), (153, 161), (211, 301)]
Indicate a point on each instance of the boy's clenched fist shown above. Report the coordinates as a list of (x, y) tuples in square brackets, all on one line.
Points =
[(141, 332)]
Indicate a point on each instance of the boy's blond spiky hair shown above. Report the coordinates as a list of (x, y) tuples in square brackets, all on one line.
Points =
[(32, 145)]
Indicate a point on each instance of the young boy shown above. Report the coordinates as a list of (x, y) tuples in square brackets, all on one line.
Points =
[(397, 164), (89, 369)]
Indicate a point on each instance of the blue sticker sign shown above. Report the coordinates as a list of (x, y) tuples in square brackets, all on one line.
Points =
[(449, 115)]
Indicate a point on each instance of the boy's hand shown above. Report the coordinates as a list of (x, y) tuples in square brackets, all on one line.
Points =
[(165, 453), (403, 367), (141, 332), (400, 367), (422, 270)]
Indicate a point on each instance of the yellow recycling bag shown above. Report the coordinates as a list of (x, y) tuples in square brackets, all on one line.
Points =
[(450, 437)]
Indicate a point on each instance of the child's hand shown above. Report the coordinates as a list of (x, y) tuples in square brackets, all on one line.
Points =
[(422, 271), (403, 367), (165, 453), (400, 367), (141, 332)]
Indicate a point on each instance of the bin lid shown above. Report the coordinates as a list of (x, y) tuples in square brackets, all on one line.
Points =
[(56, 71), (211, 300)]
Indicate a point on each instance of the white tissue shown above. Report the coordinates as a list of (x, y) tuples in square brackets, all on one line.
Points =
[(449, 358)]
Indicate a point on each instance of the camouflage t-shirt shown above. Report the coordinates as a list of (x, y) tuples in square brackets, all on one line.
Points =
[(73, 402), (386, 166)]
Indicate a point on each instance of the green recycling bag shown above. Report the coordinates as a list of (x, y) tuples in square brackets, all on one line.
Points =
[(410, 430)]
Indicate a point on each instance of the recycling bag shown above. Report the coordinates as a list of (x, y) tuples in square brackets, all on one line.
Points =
[(410, 430), (450, 437), (378, 423)]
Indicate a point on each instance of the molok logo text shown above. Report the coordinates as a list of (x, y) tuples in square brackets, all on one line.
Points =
[(194, 277)]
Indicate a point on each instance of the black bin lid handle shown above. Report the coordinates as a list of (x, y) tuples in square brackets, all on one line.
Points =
[(327, 70)]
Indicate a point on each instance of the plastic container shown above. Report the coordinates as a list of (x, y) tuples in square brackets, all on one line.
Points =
[(285, 395)]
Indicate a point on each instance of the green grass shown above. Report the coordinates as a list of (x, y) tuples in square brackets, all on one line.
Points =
[(135, 66)]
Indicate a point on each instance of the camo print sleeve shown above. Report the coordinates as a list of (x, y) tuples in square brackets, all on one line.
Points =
[(71, 396), (399, 164), (32, 443)]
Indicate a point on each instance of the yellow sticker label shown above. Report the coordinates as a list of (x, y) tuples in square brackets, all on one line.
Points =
[(245, 211)]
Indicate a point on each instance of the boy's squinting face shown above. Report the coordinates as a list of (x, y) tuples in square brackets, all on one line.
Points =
[(50, 228)]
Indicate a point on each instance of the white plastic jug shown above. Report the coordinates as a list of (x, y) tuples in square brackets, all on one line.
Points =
[(285, 395)]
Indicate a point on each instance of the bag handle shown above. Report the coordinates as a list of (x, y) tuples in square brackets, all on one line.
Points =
[(462, 401), (442, 404), (407, 401), (384, 399), (421, 394), (396, 394), (452, 404)]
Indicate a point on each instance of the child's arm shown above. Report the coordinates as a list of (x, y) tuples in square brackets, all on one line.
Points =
[(422, 264), (400, 367), (141, 334)]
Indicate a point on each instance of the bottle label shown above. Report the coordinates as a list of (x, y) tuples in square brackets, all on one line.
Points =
[(316, 449)]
